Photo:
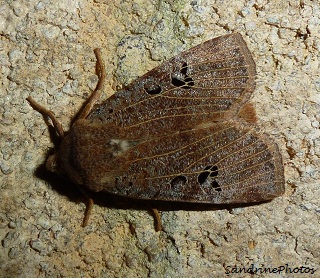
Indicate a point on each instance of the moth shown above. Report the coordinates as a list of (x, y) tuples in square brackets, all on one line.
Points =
[(183, 132)]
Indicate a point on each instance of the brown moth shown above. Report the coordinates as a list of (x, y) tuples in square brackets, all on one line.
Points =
[(181, 132)]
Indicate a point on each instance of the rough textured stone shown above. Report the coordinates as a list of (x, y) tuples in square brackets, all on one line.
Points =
[(46, 51)]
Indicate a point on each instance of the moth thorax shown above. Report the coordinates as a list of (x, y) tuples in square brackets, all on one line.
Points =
[(51, 163)]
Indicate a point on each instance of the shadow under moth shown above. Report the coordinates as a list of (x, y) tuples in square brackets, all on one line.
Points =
[(183, 132)]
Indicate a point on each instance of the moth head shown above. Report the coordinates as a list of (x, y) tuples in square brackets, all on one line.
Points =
[(51, 163), (55, 160), (61, 163)]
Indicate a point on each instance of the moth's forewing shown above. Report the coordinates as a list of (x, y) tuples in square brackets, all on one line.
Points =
[(209, 82), (227, 162)]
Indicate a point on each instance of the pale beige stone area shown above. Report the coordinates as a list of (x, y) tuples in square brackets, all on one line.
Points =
[(46, 51)]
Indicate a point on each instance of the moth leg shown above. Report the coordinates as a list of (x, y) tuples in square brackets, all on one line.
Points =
[(156, 216), (157, 219), (87, 213), (45, 112), (95, 96)]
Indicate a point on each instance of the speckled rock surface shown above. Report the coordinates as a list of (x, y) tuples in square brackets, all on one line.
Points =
[(46, 51)]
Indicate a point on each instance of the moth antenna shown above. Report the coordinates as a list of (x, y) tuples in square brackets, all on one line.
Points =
[(45, 112), (95, 96), (101, 69)]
